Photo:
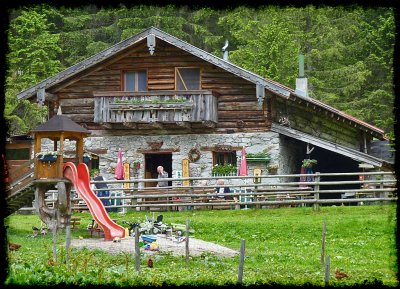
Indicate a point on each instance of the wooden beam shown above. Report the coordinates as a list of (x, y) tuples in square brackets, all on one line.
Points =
[(208, 124), (156, 124), (334, 147), (183, 124), (106, 125), (130, 124), (168, 150)]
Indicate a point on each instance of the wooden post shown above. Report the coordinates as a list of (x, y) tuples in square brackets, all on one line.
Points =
[(323, 244), (55, 241), (241, 261), (316, 188), (137, 250), (187, 241), (327, 269)]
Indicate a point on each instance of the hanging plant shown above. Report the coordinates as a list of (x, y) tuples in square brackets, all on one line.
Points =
[(308, 163)]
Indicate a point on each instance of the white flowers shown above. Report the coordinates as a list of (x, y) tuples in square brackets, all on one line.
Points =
[(47, 153)]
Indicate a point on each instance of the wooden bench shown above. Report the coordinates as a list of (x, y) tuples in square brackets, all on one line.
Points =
[(75, 221), (95, 228)]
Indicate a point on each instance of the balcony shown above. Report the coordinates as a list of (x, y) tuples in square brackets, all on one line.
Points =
[(156, 107)]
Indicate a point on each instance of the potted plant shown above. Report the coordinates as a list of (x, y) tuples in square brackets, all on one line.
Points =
[(308, 163), (48, 156), (258, 157), (272, 169), (86, 158), (224, 170)]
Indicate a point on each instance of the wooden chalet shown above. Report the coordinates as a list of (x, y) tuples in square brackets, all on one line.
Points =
[(164, 101)]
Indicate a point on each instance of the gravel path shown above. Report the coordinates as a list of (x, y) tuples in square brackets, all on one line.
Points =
[(196, 246)]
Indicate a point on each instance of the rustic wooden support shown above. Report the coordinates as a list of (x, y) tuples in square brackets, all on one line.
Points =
[(323, 244), (327, 269), (316, 188), (187, 242), (137, 250), (241, 261)]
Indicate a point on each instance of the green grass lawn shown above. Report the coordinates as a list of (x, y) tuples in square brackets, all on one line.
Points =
[(283, 246)]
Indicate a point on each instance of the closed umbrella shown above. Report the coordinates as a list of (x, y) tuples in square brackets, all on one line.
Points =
[(243, 164), (119, 169), (243, 170)]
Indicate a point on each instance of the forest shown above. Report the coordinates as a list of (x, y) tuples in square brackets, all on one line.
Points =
[(348, 49)]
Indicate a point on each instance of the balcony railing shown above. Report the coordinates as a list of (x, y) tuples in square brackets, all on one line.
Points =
[(155, 106)]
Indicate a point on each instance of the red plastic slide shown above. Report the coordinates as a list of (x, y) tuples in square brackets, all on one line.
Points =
[(79, 176)]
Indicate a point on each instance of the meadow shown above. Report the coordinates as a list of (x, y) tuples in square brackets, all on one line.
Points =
[(283, 246)]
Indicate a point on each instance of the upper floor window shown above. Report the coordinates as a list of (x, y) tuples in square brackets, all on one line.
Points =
[(187, 78), (135, 80)]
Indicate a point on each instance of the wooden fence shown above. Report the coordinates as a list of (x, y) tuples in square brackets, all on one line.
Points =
[(268, 192)]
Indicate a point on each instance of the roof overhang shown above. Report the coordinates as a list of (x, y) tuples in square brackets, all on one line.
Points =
[(345, 151)]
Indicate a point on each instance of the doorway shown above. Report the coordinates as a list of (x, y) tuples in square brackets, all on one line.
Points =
[(152, 161)]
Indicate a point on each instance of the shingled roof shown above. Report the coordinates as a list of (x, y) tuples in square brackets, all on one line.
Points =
[(60, 123), (275, 87)]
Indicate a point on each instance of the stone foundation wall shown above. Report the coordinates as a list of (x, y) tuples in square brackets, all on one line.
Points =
[(253, 142)]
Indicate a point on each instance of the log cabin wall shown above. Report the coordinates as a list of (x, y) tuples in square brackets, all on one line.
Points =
[(237, 103), (316, 123)]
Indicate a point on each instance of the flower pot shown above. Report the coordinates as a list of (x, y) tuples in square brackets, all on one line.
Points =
[(273, 171), (48, 158)]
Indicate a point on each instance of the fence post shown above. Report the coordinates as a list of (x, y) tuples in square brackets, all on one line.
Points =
[(323, 244), (382, 194), (137, 250), (241, 261), (327, 269), (187, 241), (316, 188)]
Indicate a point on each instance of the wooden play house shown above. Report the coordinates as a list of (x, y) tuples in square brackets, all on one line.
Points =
[(49, 164)]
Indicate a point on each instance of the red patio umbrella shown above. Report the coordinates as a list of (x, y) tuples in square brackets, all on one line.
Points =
[(119, 169), (243, 164)]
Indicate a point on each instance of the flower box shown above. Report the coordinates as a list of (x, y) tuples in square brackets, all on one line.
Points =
[(47, 158)]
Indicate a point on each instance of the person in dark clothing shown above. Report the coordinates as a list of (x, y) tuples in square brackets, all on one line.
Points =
[(104, 192), (222, 190)]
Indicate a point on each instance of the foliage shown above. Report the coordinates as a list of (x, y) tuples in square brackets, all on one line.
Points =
[(258, 155), (93, 171), (226, 169), (47, 153), (308, 163), (283, 246)]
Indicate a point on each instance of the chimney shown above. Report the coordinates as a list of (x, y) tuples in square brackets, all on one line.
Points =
[(301, 80), (224, 49)]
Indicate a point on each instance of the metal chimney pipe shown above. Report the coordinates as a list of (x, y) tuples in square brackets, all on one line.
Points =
[(224, 49)]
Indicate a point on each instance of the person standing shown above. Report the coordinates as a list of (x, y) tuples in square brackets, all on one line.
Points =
[(103, 189), (162, 175)]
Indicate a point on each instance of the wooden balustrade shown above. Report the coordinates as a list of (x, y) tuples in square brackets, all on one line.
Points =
[(199, 106)]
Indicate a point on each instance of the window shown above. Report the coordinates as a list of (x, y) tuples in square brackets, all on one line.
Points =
[(18, 154), (135, 80), (224, 158), (187, 78)]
